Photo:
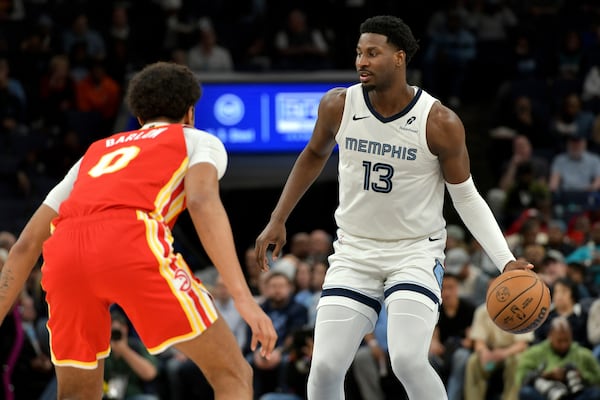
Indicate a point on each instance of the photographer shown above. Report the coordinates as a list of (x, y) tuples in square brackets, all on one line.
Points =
[(129, 367), (558, 368)]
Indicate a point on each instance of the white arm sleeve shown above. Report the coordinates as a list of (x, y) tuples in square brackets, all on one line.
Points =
[(480, 221), (204, 147), (60, 192)]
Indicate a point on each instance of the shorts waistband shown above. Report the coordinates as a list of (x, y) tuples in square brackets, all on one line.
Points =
[(122, 213)]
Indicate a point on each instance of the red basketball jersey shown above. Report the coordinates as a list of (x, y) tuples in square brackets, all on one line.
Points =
[(140, 170)]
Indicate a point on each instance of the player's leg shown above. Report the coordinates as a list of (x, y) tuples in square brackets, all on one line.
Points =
[(366, 374), (410, 328), (338, 333), (218, 355), (79, 383)]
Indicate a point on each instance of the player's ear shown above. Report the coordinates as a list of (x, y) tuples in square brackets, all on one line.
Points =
[(400, 57), (189, 116)]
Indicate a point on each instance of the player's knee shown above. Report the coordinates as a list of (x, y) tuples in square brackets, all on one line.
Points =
[(326, 370), (409, 361)]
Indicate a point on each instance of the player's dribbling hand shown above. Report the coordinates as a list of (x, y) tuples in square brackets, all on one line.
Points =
[(518, 264), (274, 233), (261, 326)]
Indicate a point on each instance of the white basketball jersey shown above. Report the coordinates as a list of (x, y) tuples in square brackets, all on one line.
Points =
[(390, 184)]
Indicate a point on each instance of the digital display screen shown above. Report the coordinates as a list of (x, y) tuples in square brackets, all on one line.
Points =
[(261, 117)]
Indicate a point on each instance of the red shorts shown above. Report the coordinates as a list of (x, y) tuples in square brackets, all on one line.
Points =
[(114, 257)]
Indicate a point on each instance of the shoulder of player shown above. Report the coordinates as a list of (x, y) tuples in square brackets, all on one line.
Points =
[(334, 99), (444, 127), (195, 132), (194, 135), (442, 118)]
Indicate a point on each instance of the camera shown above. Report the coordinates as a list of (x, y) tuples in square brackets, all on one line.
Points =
[(116, 334), (573, 379), (551, 390)]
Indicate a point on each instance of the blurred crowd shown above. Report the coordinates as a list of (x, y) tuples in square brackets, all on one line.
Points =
[(533, 65)]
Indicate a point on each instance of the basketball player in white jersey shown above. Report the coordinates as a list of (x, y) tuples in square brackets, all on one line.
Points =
[(398, 149)]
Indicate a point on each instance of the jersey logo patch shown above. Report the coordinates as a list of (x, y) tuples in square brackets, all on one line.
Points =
[(355, 118)]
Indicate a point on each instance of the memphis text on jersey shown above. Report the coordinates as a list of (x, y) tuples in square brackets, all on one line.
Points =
[(381, 149)]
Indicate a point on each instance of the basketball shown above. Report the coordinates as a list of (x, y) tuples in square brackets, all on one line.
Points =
[(518, 301)]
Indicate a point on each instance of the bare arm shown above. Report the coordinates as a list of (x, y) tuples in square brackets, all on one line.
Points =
[(554, 182), (23, 256), (212, 224), (306, 169), (142, 367)]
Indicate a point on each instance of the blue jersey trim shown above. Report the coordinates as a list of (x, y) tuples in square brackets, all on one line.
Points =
[(413, 288), (361, 298)]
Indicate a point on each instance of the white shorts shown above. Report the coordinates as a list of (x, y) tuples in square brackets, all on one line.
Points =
[(364, 273)]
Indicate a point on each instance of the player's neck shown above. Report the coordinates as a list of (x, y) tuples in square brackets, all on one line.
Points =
[(392, 100)]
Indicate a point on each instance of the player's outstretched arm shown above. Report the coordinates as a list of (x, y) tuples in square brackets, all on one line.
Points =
[(212, 224), (23, 256), (446, 138), (306, 169)]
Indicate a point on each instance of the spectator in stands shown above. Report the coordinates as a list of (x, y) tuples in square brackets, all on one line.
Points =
[(451, 346), (455, 237), (565, 303), (27, 369), (317, 278), (522, 152), (571, 120), (495, 351), (492, 22), (557, 239), (300, 46), (522, 183), (472, 281), (295, 373), (99, 93), (207, 55), (558, 368), (569, 56), (119, 60), (252, 271), (588, 254), (321, 245), (57, 94), (593, 327), (578, 274), (300, 245), (525, 192), (528, 233), (575, 170), (129, 368), (302, 283), (552, 267), (12, 106), (80, 32), (448, 58), (287, 316), (526, 60)]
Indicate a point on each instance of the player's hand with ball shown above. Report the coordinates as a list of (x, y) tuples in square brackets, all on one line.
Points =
[(517, 264)]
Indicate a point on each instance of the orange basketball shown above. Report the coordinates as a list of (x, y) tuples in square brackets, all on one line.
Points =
[(518, 301)]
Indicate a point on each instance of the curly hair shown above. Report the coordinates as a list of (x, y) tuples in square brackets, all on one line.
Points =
[(397, 32), (162, 89)]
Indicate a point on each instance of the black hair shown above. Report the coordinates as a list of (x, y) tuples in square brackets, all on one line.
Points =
[(162, 89), (572, 286), (397, 32)]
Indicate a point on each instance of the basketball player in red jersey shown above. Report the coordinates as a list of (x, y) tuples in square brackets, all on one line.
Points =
[(111, 242)]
